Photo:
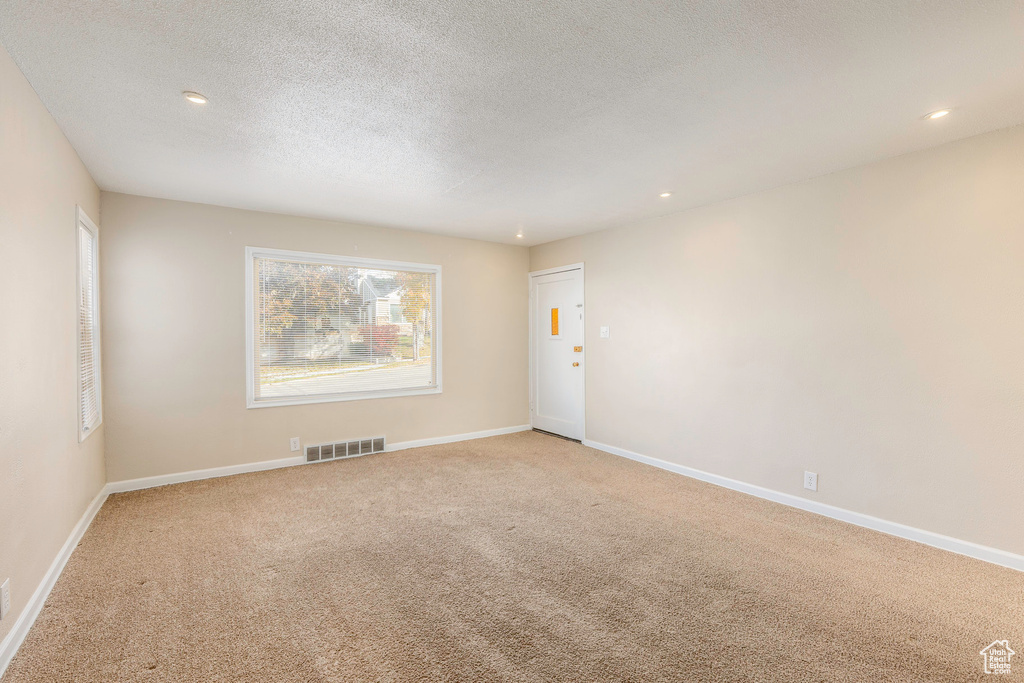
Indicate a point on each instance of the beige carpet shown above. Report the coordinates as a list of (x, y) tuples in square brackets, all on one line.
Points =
[(521, 557)]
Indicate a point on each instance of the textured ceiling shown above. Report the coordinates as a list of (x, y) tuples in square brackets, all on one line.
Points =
[(478, 117)]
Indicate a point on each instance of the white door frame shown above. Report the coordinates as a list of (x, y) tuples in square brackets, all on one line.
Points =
[(583, 322)]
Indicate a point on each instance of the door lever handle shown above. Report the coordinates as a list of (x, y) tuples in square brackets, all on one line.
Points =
[(575, 365)]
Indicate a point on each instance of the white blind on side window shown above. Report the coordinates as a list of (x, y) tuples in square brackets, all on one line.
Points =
[(88, 332), (325, 327)]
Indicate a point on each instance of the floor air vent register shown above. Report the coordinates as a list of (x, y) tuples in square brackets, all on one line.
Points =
[(344, 449)]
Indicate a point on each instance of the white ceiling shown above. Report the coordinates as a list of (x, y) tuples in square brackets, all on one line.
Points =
[(478, 117)]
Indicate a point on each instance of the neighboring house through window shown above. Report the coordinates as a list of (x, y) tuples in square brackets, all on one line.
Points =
[(322, 327)]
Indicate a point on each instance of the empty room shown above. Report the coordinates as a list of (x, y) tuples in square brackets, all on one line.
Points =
[(498, 341)]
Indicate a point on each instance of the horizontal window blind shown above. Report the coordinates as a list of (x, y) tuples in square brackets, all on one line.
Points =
[(327, 327), (89, 400)]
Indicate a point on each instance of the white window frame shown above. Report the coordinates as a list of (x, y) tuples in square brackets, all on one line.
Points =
[(252, 253), (83, 221)]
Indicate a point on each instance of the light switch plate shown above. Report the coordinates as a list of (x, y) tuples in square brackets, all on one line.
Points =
[(604, 332)]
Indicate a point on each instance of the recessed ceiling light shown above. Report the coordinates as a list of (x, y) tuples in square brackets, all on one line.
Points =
[(194, 97), (937, 114), (665, 194), (519, 235)]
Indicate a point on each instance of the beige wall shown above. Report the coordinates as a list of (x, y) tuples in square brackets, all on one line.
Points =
[(174, 322), (867, 325), (47, 479)]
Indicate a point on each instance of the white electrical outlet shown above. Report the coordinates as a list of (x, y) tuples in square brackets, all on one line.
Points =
[(5, 598), (604, 332), (811, 481), (294, 442)]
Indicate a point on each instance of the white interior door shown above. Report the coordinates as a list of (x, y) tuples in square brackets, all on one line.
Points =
[(556, 358)]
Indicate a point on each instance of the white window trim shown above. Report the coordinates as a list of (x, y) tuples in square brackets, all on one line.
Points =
[(252, 253), (83, 220)]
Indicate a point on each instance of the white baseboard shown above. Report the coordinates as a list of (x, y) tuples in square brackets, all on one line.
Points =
[(980, 552), (16, 637), (195, 475), (402, 445)]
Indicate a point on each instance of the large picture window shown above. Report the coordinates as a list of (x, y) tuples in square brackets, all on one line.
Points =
[(332, 328)]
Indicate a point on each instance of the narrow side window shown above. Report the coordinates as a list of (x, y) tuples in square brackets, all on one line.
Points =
[(90, 404)]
